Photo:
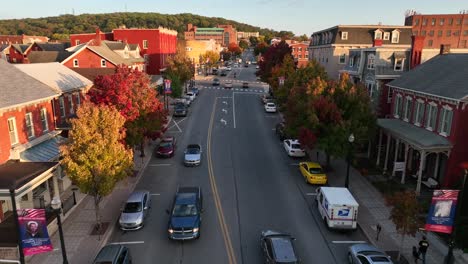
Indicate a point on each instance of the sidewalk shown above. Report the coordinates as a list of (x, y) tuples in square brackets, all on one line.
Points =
[(81, 247), (373, 211)]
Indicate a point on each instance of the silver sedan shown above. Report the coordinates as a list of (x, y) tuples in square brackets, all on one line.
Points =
[(367, 254)]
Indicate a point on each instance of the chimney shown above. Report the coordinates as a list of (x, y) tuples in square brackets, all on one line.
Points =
[(417, 45), (444, 49), (97, 38), (189, 27)]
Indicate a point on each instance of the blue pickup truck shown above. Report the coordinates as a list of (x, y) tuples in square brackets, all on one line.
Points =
[(185, 216)]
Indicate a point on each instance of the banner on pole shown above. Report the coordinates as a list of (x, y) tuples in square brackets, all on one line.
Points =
[(442, 211), (167, 86), (33, 231)]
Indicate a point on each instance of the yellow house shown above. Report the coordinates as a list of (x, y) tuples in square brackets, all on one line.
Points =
[(195, 48)]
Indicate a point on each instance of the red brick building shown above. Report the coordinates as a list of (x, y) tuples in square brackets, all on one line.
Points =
[(439, 29), (21, 39), (155, 45), (222, 34), (300, 53)]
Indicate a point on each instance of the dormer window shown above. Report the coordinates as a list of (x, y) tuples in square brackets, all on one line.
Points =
[(77, 42), (343, 58), (395, 36), (386, 36), (378, 34), (399, 63), (371, 61), (344, 35), (75, 63)]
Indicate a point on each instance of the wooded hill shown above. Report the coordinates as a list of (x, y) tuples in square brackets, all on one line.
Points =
[(60, 27)]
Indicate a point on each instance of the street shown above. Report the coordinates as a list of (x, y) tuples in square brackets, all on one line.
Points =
[(248, 181)]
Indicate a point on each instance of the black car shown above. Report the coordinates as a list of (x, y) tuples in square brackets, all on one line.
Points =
[(223, 73), (113, 254), (280, 131), (180, 109), (185, 216), (278, 248), (245, 85), (216, 82)]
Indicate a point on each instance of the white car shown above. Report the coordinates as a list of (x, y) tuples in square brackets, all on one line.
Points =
[(270, 107), (191, 95), (293, 148), (228, 68)]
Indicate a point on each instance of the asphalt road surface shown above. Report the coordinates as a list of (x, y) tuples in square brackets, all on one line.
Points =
[(249, 185)]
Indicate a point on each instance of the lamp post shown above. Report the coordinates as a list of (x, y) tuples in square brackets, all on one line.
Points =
[(350, 140), (57, 206)]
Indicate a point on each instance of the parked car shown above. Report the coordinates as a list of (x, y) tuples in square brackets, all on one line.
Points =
[(216, 82), (313, 173), (223, 73), (183, 101), (135, 210), (266, 98), (166, 147), (228, 68), (113, 254), (337, 207), (245, 85), (228, 84), (192, 155), (185, 216), (367, 254), (191, 96), (270, 107), (278, 248), (180, 109), (280, 131), (187, 100), (293, 148), (195, 90)]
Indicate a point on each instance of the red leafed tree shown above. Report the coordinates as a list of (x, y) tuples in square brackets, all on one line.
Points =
[(234, 48), (326, 110), (130, 92), (307, 137)]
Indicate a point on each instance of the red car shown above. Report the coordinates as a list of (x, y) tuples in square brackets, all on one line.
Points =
[(167, 147)]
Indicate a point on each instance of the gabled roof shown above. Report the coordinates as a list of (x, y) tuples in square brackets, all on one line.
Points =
[(56, 76), (46, 46), (114, 45), (18, 88), (444, 76), (4, 46), (21, 47), (48, 56), (133, 46), (92, 73)]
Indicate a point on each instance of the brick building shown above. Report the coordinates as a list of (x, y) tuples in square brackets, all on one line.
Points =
[(300, 53), (440, 29), (21, 39), (222, 34)]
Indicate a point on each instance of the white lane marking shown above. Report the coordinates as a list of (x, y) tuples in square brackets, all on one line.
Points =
[(177, 124), (311, 194), (294, 164), (128, 242), (233, 110), (159, 165), (349, 242), (155, 194)]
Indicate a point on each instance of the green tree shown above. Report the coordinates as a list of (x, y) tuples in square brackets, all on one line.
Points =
[(404, 214), (94, 157), (210, 58), (243, 44), (176, 85), (253, 41), (180, 66)]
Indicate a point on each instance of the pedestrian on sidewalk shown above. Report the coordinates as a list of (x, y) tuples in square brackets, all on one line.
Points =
[(423, 245), (415, 254)]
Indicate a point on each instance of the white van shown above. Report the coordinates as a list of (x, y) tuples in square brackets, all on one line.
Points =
[(337, 207)]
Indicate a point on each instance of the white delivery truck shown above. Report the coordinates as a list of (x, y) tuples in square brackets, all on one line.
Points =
[(337, 207)]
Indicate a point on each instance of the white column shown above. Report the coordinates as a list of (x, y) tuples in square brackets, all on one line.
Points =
[(421, 166), (397, 145), (55, 180), (378, 147), (406, 159), (436, 169), (387, 151)]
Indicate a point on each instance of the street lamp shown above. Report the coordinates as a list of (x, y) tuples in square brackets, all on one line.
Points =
[(350, 140), (57, 207)]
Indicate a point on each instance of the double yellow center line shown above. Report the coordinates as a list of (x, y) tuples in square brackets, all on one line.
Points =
[(219, 209)]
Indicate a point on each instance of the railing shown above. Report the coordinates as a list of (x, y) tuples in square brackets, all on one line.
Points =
[(9, 261)]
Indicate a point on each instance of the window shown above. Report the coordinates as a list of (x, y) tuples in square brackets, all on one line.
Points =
[(431, 116), (75, 63), (449, 33), (450, 22), (78, 99), (103, 63), (423, 32), (300, 49), (293, 49), (415, 32), (62, 107), (463, 43), (458, 21), (419, 112), (342, 58), (386, 35), (370, 61), (77, 42), (188, 48), (389, 95), (407, 108), (397, 109), (416, 21), (70, 101), (441, 21), (466, 21), (424, 21), (351, 61), (12, 131), (306, 56), (465, 33), (344, 35), (445, 122), (395, 36), (145, 44), (29, 125), (430, 42), (433, 22), (378, 34), (45, 125), (431, 33), (399, 63), (358, 61), (300, 56), (439, 33), (370, 89), (456, 33)]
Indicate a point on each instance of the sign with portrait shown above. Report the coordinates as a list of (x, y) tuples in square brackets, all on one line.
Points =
[(33, 230), (167, 86), (441, 214)]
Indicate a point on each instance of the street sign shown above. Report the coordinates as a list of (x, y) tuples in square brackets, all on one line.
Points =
[(167, 86), (281, 80)]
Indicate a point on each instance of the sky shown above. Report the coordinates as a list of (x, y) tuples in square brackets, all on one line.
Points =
[(298, 16)]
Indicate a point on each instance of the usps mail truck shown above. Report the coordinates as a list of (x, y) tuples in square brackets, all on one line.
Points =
[(337, 207)]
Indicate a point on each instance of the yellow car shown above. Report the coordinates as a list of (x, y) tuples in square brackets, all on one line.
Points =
[(313, 173)]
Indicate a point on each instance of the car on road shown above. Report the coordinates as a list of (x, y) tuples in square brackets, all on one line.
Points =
[(192, 155), (228, 68), (166, 147), (367, 254), (183, 101), (113, 254), (293, 148), (195, 90), (246, 65), (223, 73), (313, 173), (278, 248), (135, 210), (245, 85), (180, 109), (191, 96), (188, 99), (228, 84), (185, 216), (266, 98), (270, 107), (216, 82)]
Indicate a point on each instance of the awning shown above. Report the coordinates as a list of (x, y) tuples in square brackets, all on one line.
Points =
[(45, 151), (419, 138), (399, 55), (156, 79)]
